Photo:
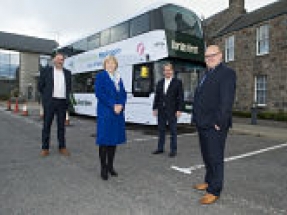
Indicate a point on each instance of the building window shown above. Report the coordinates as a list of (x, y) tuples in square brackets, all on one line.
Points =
[(9, 64), (229, 49), (260, 90), (262, 41), (45, 60)]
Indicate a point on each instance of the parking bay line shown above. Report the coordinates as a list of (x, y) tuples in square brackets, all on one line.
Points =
[(156, 137), (189, 170)]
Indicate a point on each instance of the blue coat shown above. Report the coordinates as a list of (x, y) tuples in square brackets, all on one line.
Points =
[(110, 126)]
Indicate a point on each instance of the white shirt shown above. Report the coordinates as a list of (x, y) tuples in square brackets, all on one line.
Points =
[(166, 84), (59, 84), (116, 79)]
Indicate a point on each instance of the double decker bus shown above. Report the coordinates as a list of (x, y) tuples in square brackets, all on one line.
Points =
[(142, 43)]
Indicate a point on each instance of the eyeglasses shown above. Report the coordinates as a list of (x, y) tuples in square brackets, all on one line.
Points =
[(211, 55)]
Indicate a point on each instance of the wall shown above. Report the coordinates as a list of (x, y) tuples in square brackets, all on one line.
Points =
[(247, 64), (29, 68)]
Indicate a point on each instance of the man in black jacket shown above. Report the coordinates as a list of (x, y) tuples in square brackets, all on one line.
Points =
[(167, 106), (55, 88), (212, 114)]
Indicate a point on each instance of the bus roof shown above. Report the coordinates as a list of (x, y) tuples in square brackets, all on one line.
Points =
[(146, 9)]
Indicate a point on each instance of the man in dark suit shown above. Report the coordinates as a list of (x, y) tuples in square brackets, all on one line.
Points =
[(212, 115), (167, 106), (55, 87)]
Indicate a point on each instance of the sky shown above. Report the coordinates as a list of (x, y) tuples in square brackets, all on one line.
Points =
[(67, 20)]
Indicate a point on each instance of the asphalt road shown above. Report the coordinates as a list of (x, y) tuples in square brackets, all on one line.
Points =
[(147, 185)]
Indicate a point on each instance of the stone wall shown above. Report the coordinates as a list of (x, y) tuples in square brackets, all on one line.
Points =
[(247, 65)]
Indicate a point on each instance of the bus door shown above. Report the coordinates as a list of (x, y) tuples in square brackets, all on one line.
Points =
[(189, 78)]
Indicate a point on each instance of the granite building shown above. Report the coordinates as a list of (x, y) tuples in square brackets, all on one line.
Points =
[(255, 45)]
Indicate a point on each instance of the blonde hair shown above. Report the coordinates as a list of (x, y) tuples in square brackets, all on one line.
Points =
[(110, 58)]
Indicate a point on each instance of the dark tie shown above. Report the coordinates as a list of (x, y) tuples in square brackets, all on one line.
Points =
[(208, 72)]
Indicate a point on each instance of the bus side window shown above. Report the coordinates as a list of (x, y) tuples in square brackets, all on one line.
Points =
[(142, 80)]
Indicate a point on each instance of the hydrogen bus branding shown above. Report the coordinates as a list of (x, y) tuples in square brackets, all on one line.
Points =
[(142, 44)]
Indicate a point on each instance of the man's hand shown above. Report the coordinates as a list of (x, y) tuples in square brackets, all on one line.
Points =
[(178, 114), (217, 128), (154, 112)]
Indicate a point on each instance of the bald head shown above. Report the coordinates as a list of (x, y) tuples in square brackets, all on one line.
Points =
[(213, 48), (213, 56)]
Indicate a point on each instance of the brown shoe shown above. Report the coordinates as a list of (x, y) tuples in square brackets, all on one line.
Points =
[(44, 152), (208, 198), (202, 186), (64, 152)]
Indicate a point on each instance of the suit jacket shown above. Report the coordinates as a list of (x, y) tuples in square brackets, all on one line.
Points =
[(110, 126), (46, 84), (214, 99), (172, 101)]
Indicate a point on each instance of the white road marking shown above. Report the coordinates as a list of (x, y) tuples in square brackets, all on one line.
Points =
[(155, 138), (189, 170), (142, 139)]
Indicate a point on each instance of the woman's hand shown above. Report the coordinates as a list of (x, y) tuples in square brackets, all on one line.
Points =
[(154, 112), (118, 108)]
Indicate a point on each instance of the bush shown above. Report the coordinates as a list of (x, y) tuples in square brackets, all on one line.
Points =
[(281, 116), (4, 97), (266, 115), (277, 116), (242, 114), (15, 92)]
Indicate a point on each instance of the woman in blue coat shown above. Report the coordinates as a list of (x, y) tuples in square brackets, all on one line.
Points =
[(111, 97)]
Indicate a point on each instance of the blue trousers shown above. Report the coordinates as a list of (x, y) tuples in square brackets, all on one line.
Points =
[(212, 145), (163, 119), (57, 107)]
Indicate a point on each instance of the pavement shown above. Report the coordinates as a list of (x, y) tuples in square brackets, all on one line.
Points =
[(263, 128), (255, 176)]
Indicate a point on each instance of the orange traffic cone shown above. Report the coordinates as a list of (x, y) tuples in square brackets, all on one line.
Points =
[(67, 122), (8, 105), (41, 112), (25, 111), (16, 107)]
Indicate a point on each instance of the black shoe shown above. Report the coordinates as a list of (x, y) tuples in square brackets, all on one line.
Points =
[(156, 152), (172, 154), (104, 174), (113, 173)]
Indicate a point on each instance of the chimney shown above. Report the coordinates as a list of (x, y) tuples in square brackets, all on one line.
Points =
[(237, 6)]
